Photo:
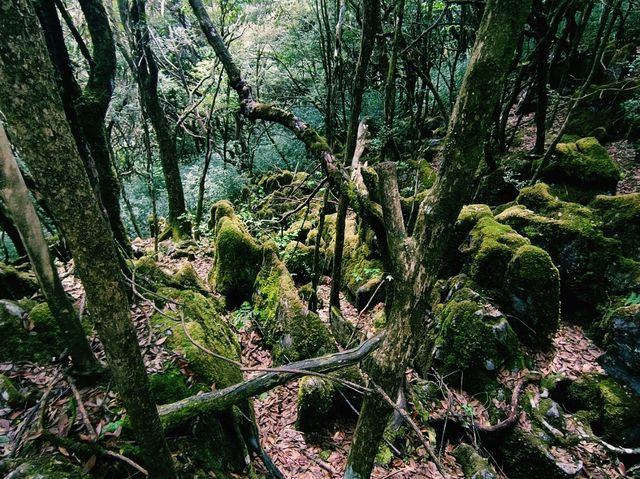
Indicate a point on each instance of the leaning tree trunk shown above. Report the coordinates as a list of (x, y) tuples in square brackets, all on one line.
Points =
[(37, 126), (15, 195), (8, 227), (415, 260)]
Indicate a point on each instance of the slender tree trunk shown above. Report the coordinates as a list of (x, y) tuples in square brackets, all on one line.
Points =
[(15, 196), (92, 109), (147, 76), (370, 23), (37, 127)]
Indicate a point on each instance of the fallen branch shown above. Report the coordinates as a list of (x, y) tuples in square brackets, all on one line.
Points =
[(179, 412)]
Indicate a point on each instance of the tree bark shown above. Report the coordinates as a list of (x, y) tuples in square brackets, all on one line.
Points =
[(146, 73), (15, 196), (37, 126)]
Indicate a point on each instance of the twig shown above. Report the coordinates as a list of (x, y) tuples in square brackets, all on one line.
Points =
[(126, 460), (83, 411), (304, 203), (416, 429), (324, 465)]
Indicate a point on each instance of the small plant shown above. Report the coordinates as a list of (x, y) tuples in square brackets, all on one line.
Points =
[(632, 299), (242, 316), (366, 274)]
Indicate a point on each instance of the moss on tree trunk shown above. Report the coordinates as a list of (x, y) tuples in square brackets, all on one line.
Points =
[(37, 127)]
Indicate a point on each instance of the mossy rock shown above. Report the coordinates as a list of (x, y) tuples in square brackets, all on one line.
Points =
[(204, 323), (150, 274), (188, 278), (237, 261), (169, 386), (613, 409), (220, 209), (407, 172), (622, 345), (533, 284), (43, 467), (9, 395), (473, 464), (40, 344), (315, 403), (621, 220), (289, 327), (467, 220), (474, 340), (585, 163), (526, 455), (491, 248), (16, 284), (572, 235)]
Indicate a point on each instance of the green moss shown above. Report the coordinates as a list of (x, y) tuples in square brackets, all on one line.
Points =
[(289, 327), (169, 386), (620, 216), (621, 413), (473, 464), (205, 324), (526, 455), (44, 467), (187, 277), (491, 248), (46, 326), (298, 258), (220, 209), (315, 402), (533, 285), (16, 284), (583, 163), (150, 275), (475, 338), (9, 395), (237, 261)]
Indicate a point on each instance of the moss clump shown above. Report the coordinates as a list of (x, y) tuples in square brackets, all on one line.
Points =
[(491, 248), (49, 467), (612, 408), (289, 327), (169, 386), (572, 235), (473, 464), (621, 220), (474, 338), (37, 339), (298, 258), (9, 395), (220, 209), (150, 275), (204, 323), (467, 219), (16, 284), (188, 278), (315, 402), (533, 284), (237, 261), (583, 164), (526, 455)]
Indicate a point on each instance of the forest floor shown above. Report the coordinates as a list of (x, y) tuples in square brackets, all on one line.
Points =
[(296, 454)]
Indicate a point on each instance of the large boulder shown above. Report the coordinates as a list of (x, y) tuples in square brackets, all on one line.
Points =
[(622, 345), (572, 235), (583, 168), (519, 276), (288, 326), (620, 217)]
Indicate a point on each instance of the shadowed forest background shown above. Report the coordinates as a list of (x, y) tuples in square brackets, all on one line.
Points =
[(313, 238)]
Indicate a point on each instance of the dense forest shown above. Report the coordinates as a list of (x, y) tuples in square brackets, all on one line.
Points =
[(320, 239)]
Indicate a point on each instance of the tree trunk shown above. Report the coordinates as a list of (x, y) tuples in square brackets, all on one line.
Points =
[(415, 260), (147, 76), (15, 196), (37, 126), (8, 227)]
